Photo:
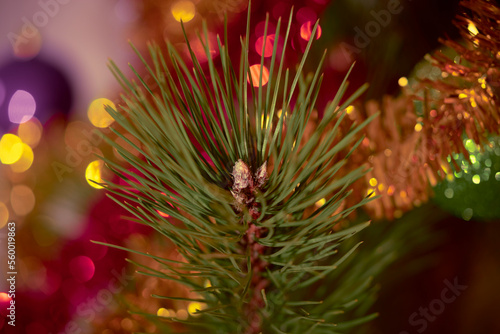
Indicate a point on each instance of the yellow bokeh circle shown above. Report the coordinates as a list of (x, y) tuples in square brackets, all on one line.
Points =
[(183, 11), (11, 148), (98, 115), (94, 173)]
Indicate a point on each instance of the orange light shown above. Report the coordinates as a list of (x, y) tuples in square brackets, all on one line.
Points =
[(306, 30), (255, 75)]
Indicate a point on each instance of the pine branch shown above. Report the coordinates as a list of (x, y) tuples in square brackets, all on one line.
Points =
[(240, 186)]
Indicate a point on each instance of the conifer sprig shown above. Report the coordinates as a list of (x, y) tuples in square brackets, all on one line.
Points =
[(239, 185)]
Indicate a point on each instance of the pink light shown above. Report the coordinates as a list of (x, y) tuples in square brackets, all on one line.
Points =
[(82, 268), (22, 107)]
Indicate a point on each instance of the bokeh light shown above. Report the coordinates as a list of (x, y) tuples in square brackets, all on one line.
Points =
[(25, 161), (403, 81), (22, 199), (4, 215), (255, 75), (320, 203), (30, 132), (82, 268), (472, 29), (467, 214), (194, 307), (259, 45), (4, 297), (97, 113), (94, 173), (306, 30), (183, 11), (182, 315), (11, 148), (22, 107), (163, 312)]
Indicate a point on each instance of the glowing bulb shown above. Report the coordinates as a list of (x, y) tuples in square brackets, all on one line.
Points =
[(98, 115), (194, 307), (255, 75), (94, 173), (183, 11), (11, 148), (403, 81), (472, 29), (391, 190), (349, 109), (476, 179), (418, 127), (320, 203), (373, 182), (163, 312)]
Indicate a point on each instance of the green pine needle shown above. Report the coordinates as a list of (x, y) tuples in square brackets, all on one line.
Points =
[(193, 126)]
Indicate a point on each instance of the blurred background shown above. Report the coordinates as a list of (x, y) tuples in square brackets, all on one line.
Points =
[(54, 83)]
